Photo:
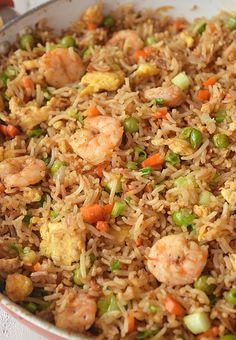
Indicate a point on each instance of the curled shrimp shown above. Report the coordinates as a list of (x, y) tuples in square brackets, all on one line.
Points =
[(78, 311), (174, 260), (127, 40), (62, 66), (22, 171), (172, 95), (95, 143)]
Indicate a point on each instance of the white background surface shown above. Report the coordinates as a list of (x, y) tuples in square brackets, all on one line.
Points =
[(10, 329)]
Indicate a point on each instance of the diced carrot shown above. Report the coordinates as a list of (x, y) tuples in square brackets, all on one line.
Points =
[(173, 307), (36, 267), (93, 213), (153, 161), (131, 323), (2, 188), (148, 187), (209, 81), (211, 27), (102, 226), (91, 26), (99, 169), (144, 53), (212, 332), (108, 208), (233, 134), (139, 242), (203, 95), (9, 130), (91, 111), (179, 24), (161, 113), (27, 82)]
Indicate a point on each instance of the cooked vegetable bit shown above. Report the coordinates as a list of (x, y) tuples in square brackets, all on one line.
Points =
[(181, 80), (115, 265), (107, 304), (220, 141), (197, 322), (160, 101), (183, 218), (56, 166), (27, 42), (108, 21), (35, 133), (149, 333), (118, 209), (231, 296), (202, 284), (220, 116), (131, 125), (68, 41), (172, 158), (131, 165), (150, 41), (146, 171), (77, 277), (139, 154), (232, 23)]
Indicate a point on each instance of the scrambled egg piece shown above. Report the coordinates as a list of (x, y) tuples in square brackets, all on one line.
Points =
[(180, 146), (146, 70), (229, 192), (32, 195), (98, 81), (27, 116), (187, 38), (60, 243)]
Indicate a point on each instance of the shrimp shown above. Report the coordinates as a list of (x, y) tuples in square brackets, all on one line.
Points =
[(21, 171), (61, 66), (95, 143), (76, 311), (127, 40), (174, 260), (172, 95)]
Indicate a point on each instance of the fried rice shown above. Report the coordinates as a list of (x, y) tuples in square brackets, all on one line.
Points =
[(118, 173)]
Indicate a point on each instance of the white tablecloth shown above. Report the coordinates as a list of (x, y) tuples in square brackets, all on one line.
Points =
[(10, 329)]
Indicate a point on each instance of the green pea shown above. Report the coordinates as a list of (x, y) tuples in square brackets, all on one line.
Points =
[(26, 219), (68, 41), (172, 158), (27, 41), (139, 154), (228, 337), (115, 265), (232, 23), (185, 133), (56, 166), (153, 308), (131, 165), (201, 284), (77, 277), (231, 296), (146, 171), (195, 138), (131, 125), (150, 41), (109, 21), (220, 141), (183, 218), (160, 101), (220, 116), (11, 71), (54, 214)]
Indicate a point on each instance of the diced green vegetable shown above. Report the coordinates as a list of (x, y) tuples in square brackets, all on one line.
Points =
[(115, 265), (154, 308), (127, 199), (54, 214), (197, 322), (109, 21), (181, 181), (56, 166), (172, 158), (150, 41), (202, 284), (185, 133), (68, 41), (118, 209), (231, 296), (46, 160), (3, 79), (131, 125), (30, 306), (27, 41), (107, 304), (139, 154), (35, 133), (149, 333), (87, 51), (220, 141), (232, 23), (195, 138), (220, 116), (183, 218), (228, 337), (214, 179), (200, 27), (11, 71), (77, 277), (114, 181), (205, 197), (160, 101), (73, 113), (146, 171), (131, 165), (26, 219), (181, 80)]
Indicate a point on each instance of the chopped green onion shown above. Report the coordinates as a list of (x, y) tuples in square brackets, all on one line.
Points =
[(183, 218), (107, 304), (68, 41), (146, 171), (109, 21), (118, 209), (10, 71), (149, 333), (231, 296), (46, 160), (154, 308), (87, 51), (27, 41), (115, 265), (202, 284), (35, 133), (131, 165), (172, 158), (56, 166), (131, 125), (30, 306), (200, 27), (160, 101), (41, 202), (26, 219), (139, 154), (220, 141), (181, 80), (195, 138), (228, 337), (205, 197), (220, 116), (185, 133), (232, 23), (77, 277), (150, 41), (197, 322), (114, 181), (3, 79), (54, 214)]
